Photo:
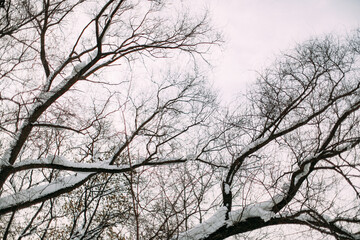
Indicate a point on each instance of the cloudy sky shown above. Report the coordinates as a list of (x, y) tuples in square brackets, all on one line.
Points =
[(256, 30)]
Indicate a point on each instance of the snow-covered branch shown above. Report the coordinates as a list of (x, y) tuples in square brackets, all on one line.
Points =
[(218, 220), (42, 192), (96, 167)]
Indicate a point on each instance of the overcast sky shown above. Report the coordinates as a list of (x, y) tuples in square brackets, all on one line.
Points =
[(256, 30)]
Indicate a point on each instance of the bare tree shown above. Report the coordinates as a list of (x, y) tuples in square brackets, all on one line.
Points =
[(85, 110), (292, 149), (100, 141)]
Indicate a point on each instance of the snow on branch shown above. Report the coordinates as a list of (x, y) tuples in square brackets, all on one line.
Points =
[(42, 192), (206, 228), (83, 172), (56, 162), (262, 210)]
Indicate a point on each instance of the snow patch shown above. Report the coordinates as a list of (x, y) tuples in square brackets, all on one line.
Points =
[(78, 67), (42, 190), (206, 228), (227, 188), (303, 173), (203, 230), (262, 210)]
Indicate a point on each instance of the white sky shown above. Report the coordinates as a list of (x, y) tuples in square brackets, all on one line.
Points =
[(256, 30)]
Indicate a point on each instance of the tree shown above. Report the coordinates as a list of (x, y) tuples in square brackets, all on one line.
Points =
[(77, 125), (292, 152), (109, 130)]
